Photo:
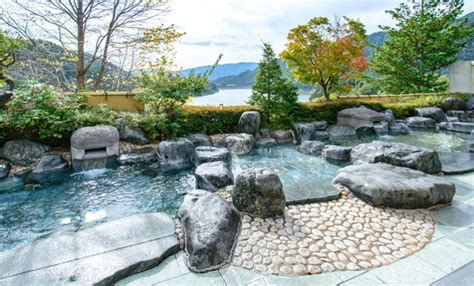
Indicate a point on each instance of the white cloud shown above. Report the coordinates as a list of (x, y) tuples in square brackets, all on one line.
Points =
[(236, 27)]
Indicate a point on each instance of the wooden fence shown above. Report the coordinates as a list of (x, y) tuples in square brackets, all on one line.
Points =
[(123, 100)]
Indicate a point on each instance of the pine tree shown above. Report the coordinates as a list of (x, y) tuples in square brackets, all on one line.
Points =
[(272, 93), (426, 39)]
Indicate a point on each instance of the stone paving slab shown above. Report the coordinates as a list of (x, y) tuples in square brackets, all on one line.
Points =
[(306, 194), (462, 276), (456, 162), (101, 254)]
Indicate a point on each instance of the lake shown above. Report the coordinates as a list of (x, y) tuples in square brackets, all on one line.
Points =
[(231, 97)]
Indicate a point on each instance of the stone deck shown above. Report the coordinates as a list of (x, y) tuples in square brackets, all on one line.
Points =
[(452, 247)]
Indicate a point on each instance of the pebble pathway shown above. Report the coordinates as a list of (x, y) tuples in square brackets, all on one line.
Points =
[(344, 234)]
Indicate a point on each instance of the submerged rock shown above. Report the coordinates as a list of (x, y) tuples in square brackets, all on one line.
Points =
[(144, 157), (49, 170), (313, 148), (205, 154), (418, 122), (176, 155), (249, 122), (435, 113), (396, 187), (4, 169), (259, 192), (199, 139), (22, 152), (213, 176), (336, 154), (341, 132), (282, 136), (211, 227), (11, 184), (398, 154)]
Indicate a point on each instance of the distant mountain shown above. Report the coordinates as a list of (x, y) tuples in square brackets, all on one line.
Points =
[(223, 70)]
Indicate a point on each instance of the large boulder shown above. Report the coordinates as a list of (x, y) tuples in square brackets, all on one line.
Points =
[(341, 132), (461, 127), (237, 143), (199, 139), (313, 148), (213, 176), (359, 116), (249, 122), (211, 226), (418, 122), (282, 136), (435, 113), (452, 103), (259, 192), (396, 187), (398, 128), (134, 135), (50, 169), (205, 154), (176, 155), (398, 154), (4, 169), (22, 152), (308, 131), (336, 154)]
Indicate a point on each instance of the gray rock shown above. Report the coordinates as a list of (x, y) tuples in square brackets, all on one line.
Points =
[(264, 132), (259, 192), (139, 157), (461, 115), (389, 117), (461, 127), (199, 139), (213, 176), (307, 131), (452, 119), (282, 136), (176, 155), (364, 131), (470, 102), (237, 143), (22, 152), (396, 187), (341, 132), (398, 129), (457, 162), (418, 122), (211, 226), (471, 142), (452, 103), (398, 154), (134, 135), (249, 122), (336, 154), (205, 154), (320, 135), (4, 169), (265, 142), (435, 113), (50, 169), (359, 116), (381, 128), (101, 254), (95, 147), (11, 184), (313, 148)]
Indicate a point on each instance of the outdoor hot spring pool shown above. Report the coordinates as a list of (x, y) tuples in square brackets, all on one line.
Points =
[(95, 196)]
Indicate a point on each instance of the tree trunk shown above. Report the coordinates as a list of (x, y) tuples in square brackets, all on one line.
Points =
[(325, 91), (80, 68)]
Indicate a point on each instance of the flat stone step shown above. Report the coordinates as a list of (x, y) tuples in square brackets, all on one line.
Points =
[(456, 162), (102, 254), (301, 193), (461, 276)]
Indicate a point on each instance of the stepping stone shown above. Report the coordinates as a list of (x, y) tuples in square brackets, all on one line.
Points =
[(396, 187), (102, 254), (457, 162), (301, 193), (462, 276)]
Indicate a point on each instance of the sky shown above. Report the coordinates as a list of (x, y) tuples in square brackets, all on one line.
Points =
[(236, 28)]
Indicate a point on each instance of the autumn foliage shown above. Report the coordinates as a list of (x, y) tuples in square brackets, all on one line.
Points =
[(326, 54)]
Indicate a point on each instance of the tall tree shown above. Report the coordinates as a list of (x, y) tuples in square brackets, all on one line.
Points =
[(273, 94), (87, 27), (8, 50), (326, 54), (426, 38)]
